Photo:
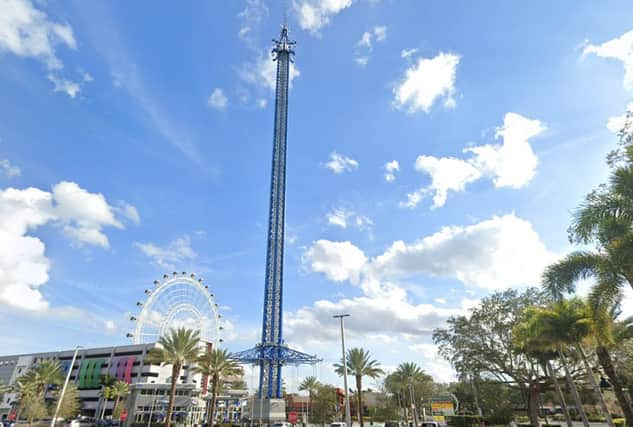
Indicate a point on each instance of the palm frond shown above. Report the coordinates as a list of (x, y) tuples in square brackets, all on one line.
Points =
[(560, 278)]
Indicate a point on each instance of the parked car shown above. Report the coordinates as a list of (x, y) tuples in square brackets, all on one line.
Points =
[(338, 424)]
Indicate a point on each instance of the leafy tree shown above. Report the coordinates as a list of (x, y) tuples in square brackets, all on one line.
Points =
[(483, 343), (176, 348), (323, 404), (216, 365), (359, 365), (495, 399)]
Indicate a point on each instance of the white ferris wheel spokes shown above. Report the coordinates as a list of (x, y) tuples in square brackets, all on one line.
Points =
[(178, 300)]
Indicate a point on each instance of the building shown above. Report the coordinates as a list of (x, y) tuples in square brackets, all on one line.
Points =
[(149, 383)]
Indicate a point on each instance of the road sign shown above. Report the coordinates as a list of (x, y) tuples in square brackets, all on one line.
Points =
[(292, 417)]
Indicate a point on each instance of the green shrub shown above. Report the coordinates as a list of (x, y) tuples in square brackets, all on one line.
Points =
[(619, 422), (463, 420)]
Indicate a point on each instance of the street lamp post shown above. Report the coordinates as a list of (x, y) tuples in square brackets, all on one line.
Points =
[(61, 396), (348, 416)]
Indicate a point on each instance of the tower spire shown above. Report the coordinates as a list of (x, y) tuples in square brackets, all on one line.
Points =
[(271, 354)]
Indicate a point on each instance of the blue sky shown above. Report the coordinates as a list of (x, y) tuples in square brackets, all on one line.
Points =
[(435, 153)]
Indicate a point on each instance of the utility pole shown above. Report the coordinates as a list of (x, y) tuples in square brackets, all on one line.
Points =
[(348, 415), (61, 396)]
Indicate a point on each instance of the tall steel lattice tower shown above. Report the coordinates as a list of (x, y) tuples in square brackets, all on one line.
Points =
[(272, 354)]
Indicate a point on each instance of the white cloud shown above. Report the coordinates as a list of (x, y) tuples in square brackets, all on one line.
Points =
[(425, 82), (447, 173), (68, 87), (261, 103), (365, 46), (84, 214), (380, 32), (390, 169), (28, 32), (217, 99), (435, 365), (8, 169), (254, 12), (339, 163), (509, 164), (365, 40), (513, 163), (339, 261), (169, 257), (497, 253), (407, 53), (128, 211), (617, 123), (493, 254), (341, 217), (24, 266), (337, 217), (620, 48), (262, 71), (315, 14)]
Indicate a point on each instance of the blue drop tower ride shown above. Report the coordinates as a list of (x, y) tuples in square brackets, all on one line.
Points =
[(271, 354)]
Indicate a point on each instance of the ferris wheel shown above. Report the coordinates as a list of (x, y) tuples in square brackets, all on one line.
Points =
[(178, 300)]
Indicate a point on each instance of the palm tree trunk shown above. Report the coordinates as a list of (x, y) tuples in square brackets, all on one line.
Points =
[(175, 373), (214, 393), (116, 406), (533, 404), (413, 411), (594, 385), (359, 390), (574, 390), (561, 397), (607, 364)]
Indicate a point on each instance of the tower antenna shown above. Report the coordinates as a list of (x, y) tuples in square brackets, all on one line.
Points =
[(284, 5)]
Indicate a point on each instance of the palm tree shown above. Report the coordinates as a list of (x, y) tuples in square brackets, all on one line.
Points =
[(176, 348), (107, 381), (608, 334), (567, 322), (409, 373), (216, 365), (529, 339), (33, 385), (605, 218), (119, 390), (311, 385), (610, 202), (359, 365)]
